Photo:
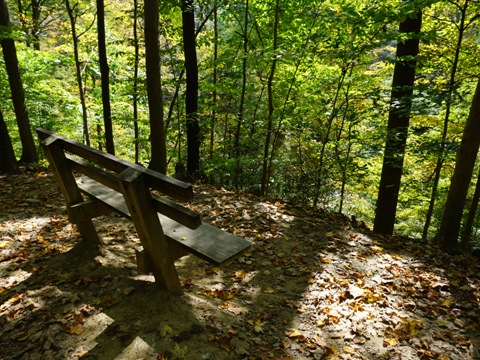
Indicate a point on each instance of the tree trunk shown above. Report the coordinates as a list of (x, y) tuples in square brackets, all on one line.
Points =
[(36, 24), (472, 212), (135, 80), (78, 71), (271, 108), (104, 71), (191, 95), (447, 236), (398, 123), (214, 80), (242, 99), (29, 153), (8, 162), (326, 139), (443, 141), (154, 87)]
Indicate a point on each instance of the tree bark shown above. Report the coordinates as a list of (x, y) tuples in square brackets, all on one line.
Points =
[(29, 153), (36, 24), (472, 212), (104, 71), (398, 123), (191, 95), (214, 80), (78, 71), (8, 162), (135, 81), (271, 108), (443, 141), (447, 236), (154, 87), (242, 99)]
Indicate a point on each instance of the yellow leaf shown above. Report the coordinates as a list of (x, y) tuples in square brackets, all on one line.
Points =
[(390, 342), (447, 303), (77, 329), (349, 350), (293, 333), (166, 330), (3, 244), (329, 234), (321, 323), (257, 326), (240, 275)]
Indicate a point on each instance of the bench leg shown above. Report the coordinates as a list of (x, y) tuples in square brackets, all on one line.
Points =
[(88, 232), (145, 218)]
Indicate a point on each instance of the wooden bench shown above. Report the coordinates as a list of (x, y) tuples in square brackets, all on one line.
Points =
[(94, 183)]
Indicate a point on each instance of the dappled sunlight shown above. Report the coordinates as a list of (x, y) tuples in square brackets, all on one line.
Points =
[(311, 286)]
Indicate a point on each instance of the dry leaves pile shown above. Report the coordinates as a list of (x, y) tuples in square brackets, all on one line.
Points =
[(312, 287)]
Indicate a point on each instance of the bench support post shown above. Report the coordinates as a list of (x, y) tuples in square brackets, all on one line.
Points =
[(145, 217), (68, 186)]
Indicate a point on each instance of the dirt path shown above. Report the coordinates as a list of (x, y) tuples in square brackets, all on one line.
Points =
[(312, 287)]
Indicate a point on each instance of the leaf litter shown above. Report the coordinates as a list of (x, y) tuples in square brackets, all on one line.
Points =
[(313, 286)]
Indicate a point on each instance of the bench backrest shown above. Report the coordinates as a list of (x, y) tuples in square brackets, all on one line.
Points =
[(66, 156)]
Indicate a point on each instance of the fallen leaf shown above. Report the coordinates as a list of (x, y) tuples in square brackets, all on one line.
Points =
[(257, 325), (166, 330), (240, 275), (77, 329), (349, 350), (390, 342)]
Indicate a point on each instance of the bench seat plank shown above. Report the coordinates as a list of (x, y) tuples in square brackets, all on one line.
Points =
[(206, 241), (117, 203)]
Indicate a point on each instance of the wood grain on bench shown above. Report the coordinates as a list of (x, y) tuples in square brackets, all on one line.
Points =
[(205, 241), (94, 183)]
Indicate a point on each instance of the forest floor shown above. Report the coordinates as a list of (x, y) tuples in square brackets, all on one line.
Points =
[(313, 286)]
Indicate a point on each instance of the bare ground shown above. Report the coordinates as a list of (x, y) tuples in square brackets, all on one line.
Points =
[(313, 286)]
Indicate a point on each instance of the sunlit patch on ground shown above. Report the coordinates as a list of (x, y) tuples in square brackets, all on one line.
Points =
[(312, 286)]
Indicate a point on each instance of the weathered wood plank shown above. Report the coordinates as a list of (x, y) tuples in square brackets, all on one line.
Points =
[(206, 241), (149, 229), (106, 178), (166, 229), (169, 186), (63, 174), (87, 210), (177, 212), (116, 202)]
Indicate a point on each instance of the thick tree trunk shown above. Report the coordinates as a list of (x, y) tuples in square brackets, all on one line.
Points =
[(8, 162), (447, 236), (191, 96), (154, 87), (29, 153), (398, 123), (104, 70)]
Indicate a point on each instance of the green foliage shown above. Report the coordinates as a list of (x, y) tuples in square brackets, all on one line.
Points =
[(331, 93)]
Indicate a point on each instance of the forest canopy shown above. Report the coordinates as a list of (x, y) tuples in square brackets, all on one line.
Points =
[(286, 99)]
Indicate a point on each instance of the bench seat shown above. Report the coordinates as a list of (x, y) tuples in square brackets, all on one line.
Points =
[(206, 241)]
